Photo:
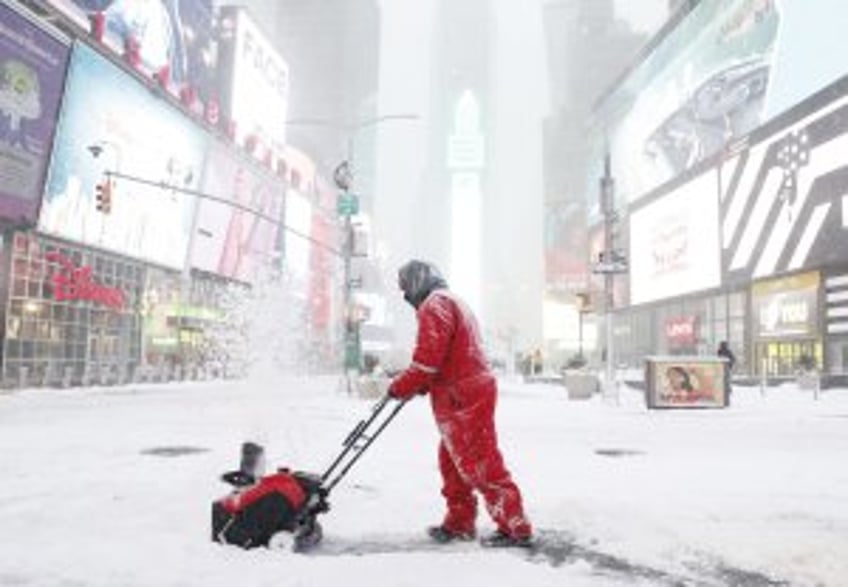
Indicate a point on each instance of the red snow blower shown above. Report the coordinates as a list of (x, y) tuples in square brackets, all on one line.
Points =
[(259, 507)]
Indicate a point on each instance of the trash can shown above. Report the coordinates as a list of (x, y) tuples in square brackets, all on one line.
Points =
[(685, 382)]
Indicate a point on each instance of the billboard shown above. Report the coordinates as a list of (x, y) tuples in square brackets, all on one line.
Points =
[(566, 247), (685, 382), (111, 122), (784, 203), (787, 307), (254, 85), (32, 72), (237, 240), (674, 243), (723, 70), (173, 39), (706, 82), (298, 241)]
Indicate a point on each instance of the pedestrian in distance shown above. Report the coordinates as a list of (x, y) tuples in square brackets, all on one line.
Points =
[(730, 361), (449, 365)]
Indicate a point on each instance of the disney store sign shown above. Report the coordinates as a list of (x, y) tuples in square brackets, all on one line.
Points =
[(71, 283)]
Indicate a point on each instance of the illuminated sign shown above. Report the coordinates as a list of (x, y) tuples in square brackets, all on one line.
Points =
[(682, 330), (255, 84), (72, 283), (787, 307), (674, 243)]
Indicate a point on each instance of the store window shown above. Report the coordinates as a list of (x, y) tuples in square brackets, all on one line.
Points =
[(70, 313)]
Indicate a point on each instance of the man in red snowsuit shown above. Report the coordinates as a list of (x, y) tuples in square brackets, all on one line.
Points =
[(448, 363)]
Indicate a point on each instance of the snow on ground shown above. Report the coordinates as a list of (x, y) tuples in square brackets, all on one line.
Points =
[(753, 495)]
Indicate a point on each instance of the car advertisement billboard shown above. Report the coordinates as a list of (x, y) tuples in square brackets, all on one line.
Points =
[(704, 83), (723, 70), (172, 39), (236, 236), (110, 122), (32, 72), (254, 85), (674, 243)]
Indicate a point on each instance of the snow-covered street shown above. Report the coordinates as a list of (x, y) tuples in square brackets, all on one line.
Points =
[(113, 487)]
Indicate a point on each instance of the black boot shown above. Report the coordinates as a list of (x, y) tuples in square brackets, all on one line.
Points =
[(443, 535), (502, 540)]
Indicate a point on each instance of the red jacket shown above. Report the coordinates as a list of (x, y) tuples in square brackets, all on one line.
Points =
[(448, 361)]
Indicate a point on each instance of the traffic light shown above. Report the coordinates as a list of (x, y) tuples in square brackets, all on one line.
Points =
[(104, 196)]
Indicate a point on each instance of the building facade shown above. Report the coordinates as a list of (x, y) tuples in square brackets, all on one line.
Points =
[(148, 212)]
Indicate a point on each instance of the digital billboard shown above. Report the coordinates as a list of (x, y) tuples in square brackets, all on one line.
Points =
[(786, 307), (32, 72), (237, 240), (254, 84), (111, 122), (566, 247), (719, 73), (674, 243), (785, 204), (172, 38), (703, 84)]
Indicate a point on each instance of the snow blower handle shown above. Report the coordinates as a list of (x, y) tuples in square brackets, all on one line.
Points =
[(353, 448)]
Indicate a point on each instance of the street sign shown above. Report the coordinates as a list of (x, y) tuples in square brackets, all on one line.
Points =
[(347, 204)]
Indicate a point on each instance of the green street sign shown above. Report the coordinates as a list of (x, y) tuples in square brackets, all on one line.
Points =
[(347, 204)]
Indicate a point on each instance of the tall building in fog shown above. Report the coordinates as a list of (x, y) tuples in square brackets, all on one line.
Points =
[(453, 171), (332, 52), (463, 187), (587, 49)]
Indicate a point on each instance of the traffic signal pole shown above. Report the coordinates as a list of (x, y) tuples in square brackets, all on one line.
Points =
[(204, 196)]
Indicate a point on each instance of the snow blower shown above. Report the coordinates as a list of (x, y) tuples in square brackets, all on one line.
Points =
[(259, 508)]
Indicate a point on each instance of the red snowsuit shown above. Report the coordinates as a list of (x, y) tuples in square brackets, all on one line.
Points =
[(449, 364)]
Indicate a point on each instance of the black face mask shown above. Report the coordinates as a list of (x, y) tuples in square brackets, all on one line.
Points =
[(409, 300)]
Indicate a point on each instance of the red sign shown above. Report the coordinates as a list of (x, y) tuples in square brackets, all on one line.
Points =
[(682, 330), (75, 283)]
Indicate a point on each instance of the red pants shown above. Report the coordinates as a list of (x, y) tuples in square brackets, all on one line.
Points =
[(469, 460)]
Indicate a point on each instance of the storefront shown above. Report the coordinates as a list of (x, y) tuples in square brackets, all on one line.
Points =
[(785, 324), (836, 320), (182, 323), (70, 313), (688, 326)]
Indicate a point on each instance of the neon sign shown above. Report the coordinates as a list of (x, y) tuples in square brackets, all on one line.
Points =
[(75, 283)]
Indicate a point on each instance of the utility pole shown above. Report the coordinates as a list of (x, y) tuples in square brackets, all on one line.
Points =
[(611, 261), (347, 205)]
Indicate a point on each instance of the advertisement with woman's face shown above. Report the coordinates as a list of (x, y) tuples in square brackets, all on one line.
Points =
[(112, 123), (686, 383)]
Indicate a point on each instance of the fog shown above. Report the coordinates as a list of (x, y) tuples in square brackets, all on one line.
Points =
[(481, 222)]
